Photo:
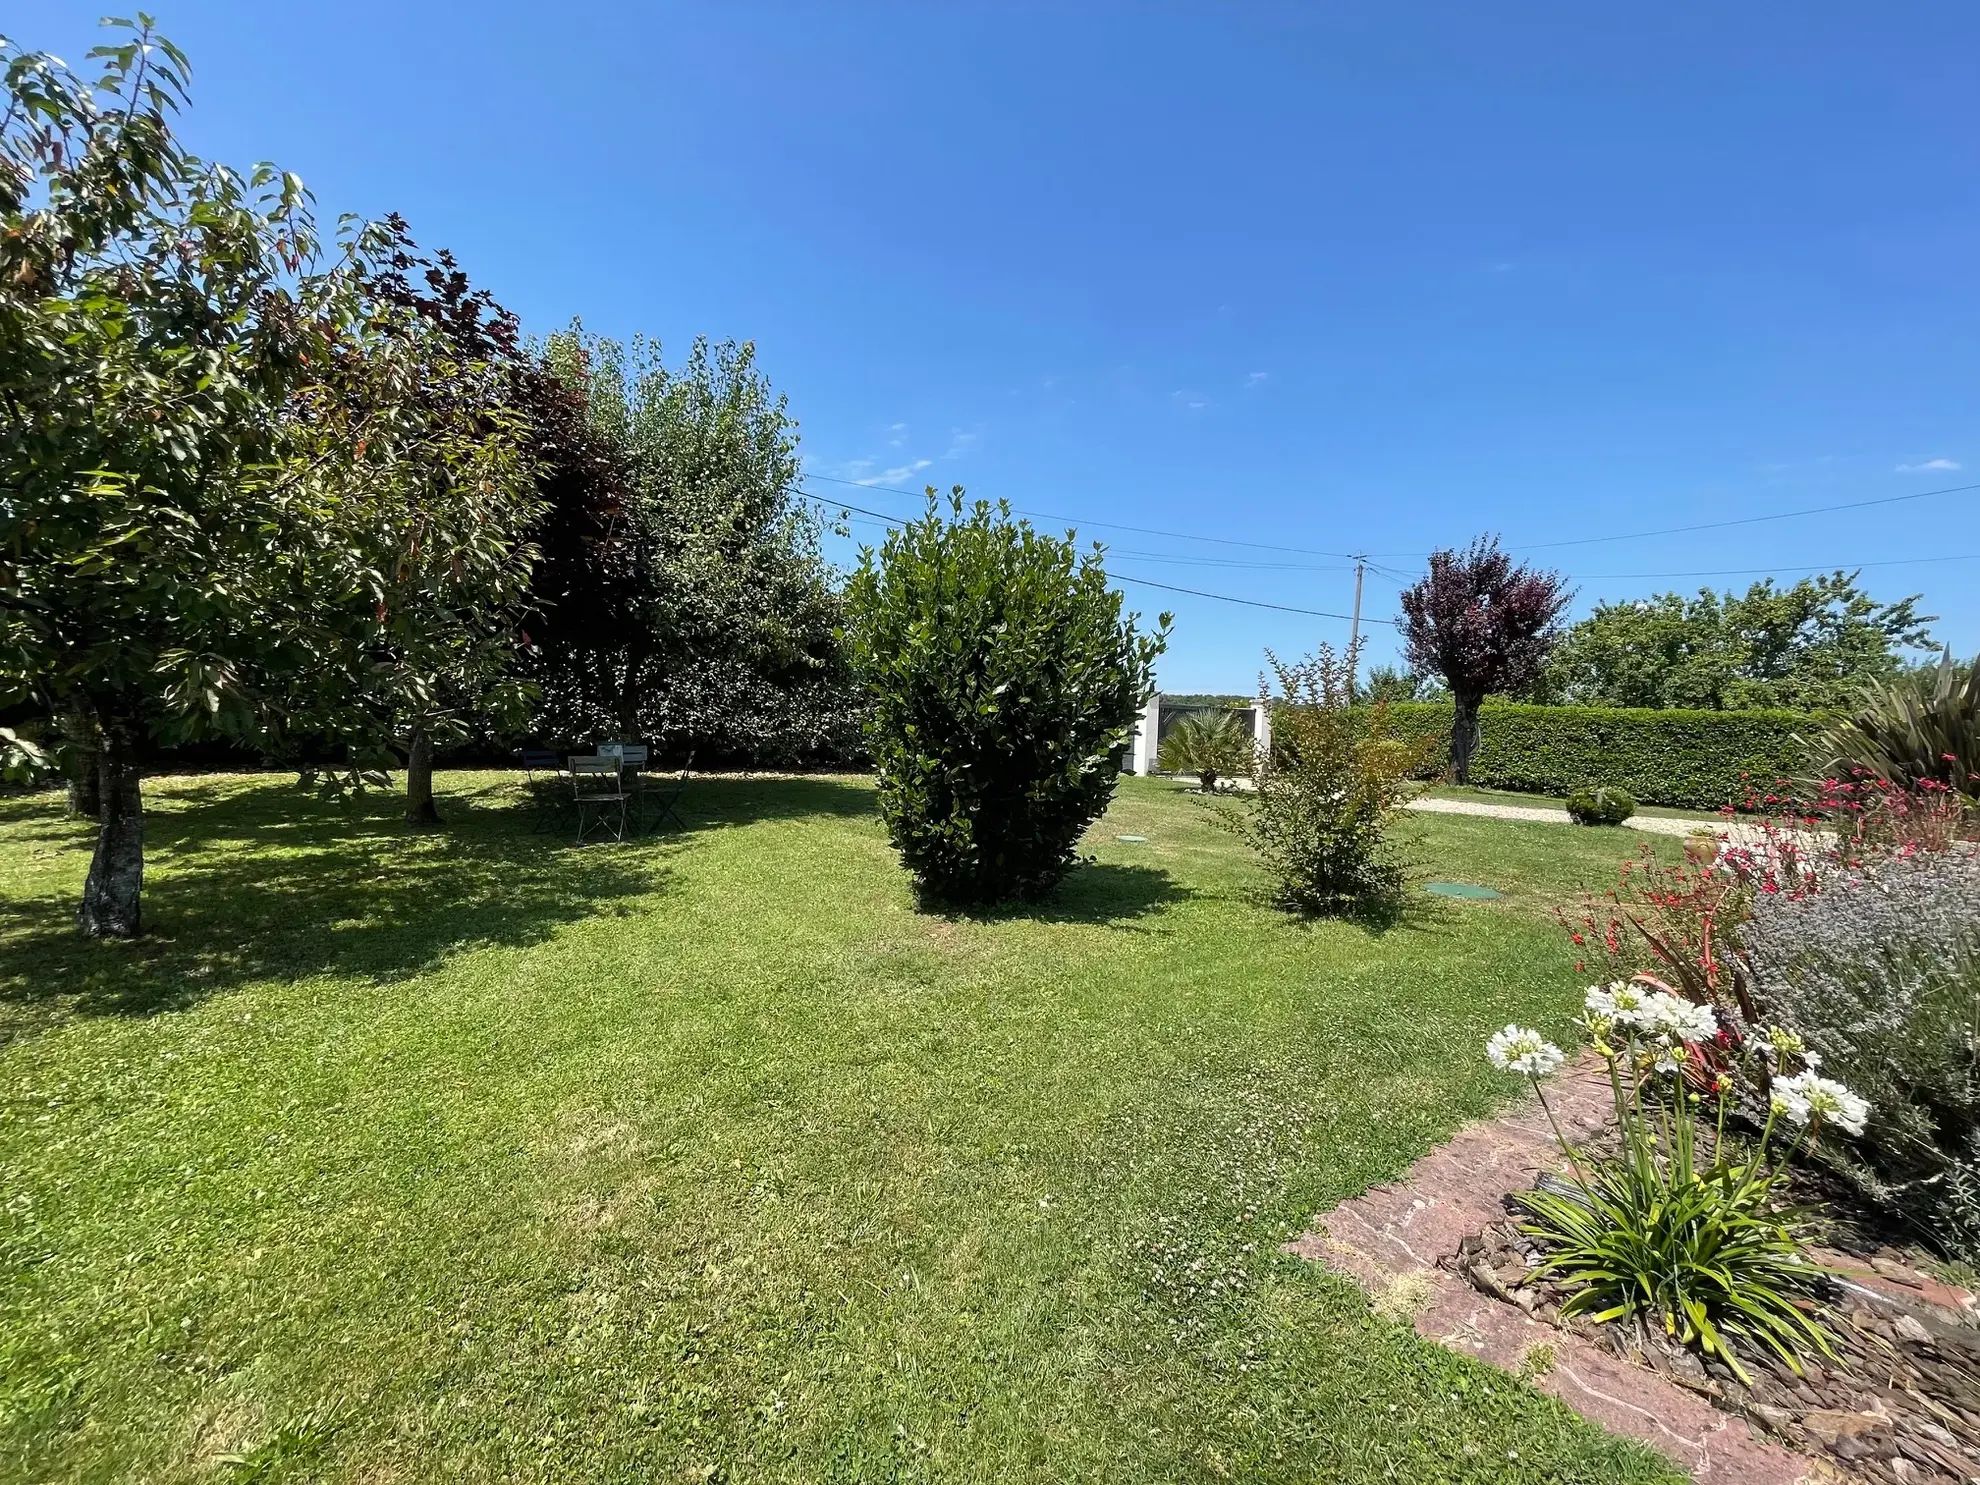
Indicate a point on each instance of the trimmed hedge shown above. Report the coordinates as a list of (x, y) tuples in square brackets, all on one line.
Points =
[(1686, 759)]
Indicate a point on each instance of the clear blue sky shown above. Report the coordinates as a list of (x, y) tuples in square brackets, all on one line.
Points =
[(1368, 278)]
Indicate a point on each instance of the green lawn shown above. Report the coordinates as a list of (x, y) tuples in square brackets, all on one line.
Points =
[(477, 1157)]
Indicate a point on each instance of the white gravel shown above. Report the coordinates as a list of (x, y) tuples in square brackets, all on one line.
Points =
[(1654, 824)]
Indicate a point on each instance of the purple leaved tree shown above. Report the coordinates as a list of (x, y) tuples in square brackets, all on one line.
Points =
[(1485, 624)]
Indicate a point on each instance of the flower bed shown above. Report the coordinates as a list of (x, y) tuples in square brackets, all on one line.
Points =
[(1686, 1236), (1901, 1403)]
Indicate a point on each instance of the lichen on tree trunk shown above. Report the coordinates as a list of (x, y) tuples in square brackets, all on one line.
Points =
[(419, 780), (81, 765), (112, 894)]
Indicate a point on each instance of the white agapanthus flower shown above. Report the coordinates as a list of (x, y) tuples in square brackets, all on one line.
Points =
[(1806, 1098), (1517, 1049), (1677, 1019), (1619, 1001), (1658, 1012)]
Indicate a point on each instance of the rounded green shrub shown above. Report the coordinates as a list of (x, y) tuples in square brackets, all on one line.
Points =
[(1600, 804), (1003, 682)]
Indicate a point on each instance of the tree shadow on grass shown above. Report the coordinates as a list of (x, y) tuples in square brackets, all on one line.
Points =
[(1105, 894), (247, 883)]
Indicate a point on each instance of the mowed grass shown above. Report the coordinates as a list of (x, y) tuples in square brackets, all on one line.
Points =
[(473, 1156)]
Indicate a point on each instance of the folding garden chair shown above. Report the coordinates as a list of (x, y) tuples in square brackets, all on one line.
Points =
[(633, 777), (548, 789), (599, 797), (658, 794)]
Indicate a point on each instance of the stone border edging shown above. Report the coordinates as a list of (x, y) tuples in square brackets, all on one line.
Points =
[(1389, 1239)]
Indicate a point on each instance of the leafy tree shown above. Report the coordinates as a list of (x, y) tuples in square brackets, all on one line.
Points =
[(440, 493), (206, 532), (1391, 683), (1002, 682), (590, 567), (156, 314), (444, 403), (594, 567), (1327, 792), (726, 639), (1810, 646), (1211, 745), (1485, 624)]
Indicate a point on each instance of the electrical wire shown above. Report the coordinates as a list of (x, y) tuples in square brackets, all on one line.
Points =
[(1786, 515), (1618, 577), (1037, 515), (893, 523), (1318, 613), (1816, 510), (1393, 575)]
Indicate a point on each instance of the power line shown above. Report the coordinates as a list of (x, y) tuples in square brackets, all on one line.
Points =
[(1173, 559), (1113, 525), (1786, 515), (1617, 577), (1318, 613), (892, 522)]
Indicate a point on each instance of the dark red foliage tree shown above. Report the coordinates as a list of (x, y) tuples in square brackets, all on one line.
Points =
[(1485, 624), (591, 556)]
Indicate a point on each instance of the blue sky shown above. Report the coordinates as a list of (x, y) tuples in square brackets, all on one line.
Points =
[(1340, 279)]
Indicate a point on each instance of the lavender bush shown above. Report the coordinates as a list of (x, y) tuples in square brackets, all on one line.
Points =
[(1880, 971)]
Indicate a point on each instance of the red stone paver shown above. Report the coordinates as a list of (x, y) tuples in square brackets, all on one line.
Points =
[(1398, 1232)]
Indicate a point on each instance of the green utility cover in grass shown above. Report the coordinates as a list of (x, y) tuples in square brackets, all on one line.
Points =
[(1461, 889)]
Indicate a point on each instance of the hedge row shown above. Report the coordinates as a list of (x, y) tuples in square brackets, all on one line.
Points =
[(1695, 760)]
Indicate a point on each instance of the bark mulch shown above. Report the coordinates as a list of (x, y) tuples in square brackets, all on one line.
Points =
[(1441, 1249)]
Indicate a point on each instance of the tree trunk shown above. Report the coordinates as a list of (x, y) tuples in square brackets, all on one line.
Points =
[(84, 769), (112, 894), (1464, 736), (419, 780)]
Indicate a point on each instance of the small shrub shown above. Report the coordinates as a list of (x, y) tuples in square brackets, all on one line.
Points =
[(1003, 682), (1328, 790), (1600, 805), (1699, 1246), (1210, 745), (1879, 970)]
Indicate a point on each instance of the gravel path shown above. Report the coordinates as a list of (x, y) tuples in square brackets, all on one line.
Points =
[(1655, 824)]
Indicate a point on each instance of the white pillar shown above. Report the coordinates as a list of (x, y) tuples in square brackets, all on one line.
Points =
[(1261, 732), (1147, 737)]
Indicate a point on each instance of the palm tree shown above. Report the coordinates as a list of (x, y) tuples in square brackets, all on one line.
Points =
[(1209, 745)]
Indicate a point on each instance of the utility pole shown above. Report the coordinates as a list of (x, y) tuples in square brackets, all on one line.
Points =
[(1354, 629)]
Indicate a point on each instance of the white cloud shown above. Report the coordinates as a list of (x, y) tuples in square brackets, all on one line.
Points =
[(1188, 401), (1256, 377), (960, 443), (890, 476), (1929, 466), (899, 435)]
